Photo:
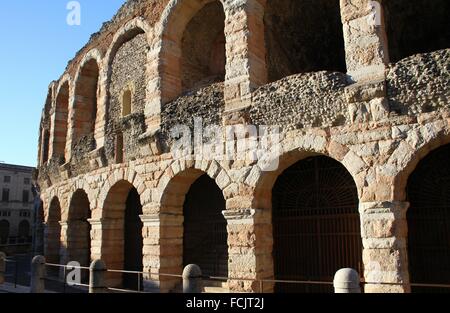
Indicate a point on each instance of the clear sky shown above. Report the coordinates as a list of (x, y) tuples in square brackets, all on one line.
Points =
[(36, 43)]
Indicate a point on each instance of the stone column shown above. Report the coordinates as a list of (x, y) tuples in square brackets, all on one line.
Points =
[(63, 249), (52, 242), (245, 50), (250, 249), (77, 242), (96, 238), (385, 256), (107, 245), (162, 251), (365, 39)]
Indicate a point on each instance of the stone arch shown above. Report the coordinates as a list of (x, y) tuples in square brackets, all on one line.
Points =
[(132, 28), (293, 151), (60, 121), (428, 220), (292, 154), (115, 177), (181, 167), (128, 31), (122, 243), (52, 244), (411, 158), (77, 232), (173, 22), (84, 106), (126, 69), (175, 189)]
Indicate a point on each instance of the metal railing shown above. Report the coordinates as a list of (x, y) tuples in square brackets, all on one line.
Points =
[(345, 280), (65, 284)]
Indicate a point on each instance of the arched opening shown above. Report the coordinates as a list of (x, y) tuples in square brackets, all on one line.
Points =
[(418, 27), (124, 248), (24, 231), (126, 93), (86, 104), (52, 241), (79, 229), (194, 230), (4, 232), (45, 146), (303, 36), (203, 48), (428, 192), (126, 103), (316, 224), (61, 120), (205, 228)]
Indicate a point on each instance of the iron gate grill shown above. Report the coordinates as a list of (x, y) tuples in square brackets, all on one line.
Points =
[(429, 221), (205, 228), (316, 224)]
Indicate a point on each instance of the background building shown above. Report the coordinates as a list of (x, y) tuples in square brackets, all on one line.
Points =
[(16, 205)]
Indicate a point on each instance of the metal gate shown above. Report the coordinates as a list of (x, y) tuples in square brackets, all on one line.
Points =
[(316, 224), (205, 228), (133, 241), (429, 221)]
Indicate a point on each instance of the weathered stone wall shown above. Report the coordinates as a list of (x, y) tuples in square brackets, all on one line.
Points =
[(420, 83), (302, 101), (128, 73), (205, 103), (346, 117)]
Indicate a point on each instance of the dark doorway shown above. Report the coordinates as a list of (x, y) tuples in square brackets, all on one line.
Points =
[(420, 26), (303, 36), (429, 222), (316, 224), (205, 228), (133, 244), (79, 230)]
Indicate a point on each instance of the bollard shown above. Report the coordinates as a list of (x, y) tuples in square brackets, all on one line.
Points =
[(347, 280), (97, 272), (38, 274), (192, 279), (2, 267)]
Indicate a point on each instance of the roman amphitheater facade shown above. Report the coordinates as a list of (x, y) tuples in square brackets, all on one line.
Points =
[(359, 90)]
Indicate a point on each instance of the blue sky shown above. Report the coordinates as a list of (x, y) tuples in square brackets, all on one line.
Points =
[(35, 45)]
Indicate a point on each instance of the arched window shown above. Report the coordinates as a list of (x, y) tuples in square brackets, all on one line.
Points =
[(86, 101), (203, 48), (61, 119), (303, 36), (126, 103), (4, 231)]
